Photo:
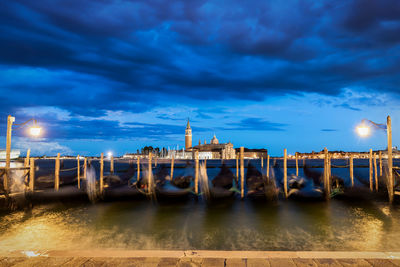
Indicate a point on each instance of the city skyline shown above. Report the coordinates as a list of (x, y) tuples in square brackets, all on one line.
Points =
[(117, 76)]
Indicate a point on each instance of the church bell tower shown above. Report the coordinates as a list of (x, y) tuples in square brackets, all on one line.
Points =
[(188, 136)]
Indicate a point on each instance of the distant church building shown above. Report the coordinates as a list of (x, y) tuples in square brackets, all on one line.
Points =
[(214, 150)]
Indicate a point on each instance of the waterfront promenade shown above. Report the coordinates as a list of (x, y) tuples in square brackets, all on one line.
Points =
[(199, 258)]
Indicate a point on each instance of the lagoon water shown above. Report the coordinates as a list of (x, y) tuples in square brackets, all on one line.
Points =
[(194, 224)]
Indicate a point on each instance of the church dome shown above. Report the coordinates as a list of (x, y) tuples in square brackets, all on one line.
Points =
[(214, 140)]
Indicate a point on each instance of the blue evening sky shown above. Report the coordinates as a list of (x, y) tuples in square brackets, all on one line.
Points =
[(118, 75)]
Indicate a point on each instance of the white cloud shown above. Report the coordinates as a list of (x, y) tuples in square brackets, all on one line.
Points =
[(41, 147)]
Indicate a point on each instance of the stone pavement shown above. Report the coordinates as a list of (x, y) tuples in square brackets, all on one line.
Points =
[(198, 258)]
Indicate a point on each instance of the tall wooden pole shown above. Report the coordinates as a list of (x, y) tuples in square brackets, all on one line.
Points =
[(376, 173), (327, 185), (85, 167), (138, 168), (285, 189), (32, 175), (101, 173), (237, 168), (196, 176), (149, 173), (297, 164), (26, 163), (380, 164), (390, 158), (10, 120), (351, 170), (57, 173), (172, 167), (155, 160), (371, 171), (262, 162), (112, 164), (78, 170), (268, 167), (28, 154), (242, 172)]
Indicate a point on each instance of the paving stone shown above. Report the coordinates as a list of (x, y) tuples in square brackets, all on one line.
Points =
[(213, 262), (257, 263), (381, 262), (395, 262), (278, 262), (353, 262), (235, 262), (190, 262), (43, 261), (304, 262), (133, 262), (168, 262), (78, 261), (12, 261), (96, 262), (327, 262)]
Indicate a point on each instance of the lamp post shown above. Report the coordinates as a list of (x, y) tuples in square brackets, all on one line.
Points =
[(34, 130), (364, 130)]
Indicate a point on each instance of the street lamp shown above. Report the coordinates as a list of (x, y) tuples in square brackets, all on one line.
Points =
[(364, 130), (34, 131)]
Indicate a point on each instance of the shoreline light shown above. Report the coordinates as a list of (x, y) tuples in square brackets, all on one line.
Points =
[(363, 130), (35, 130)]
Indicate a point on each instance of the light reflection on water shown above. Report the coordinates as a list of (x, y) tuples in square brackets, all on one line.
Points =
[(236, 225)]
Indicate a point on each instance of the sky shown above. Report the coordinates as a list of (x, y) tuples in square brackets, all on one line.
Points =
[(115, 76)]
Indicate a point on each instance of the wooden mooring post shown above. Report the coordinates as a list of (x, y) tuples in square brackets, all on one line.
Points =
[(297, 164), (84, 168), (149, 173), (155, 160), (390, 158), (112, 164), (237, 168), (196, 176), (78, 171), (57, 173), (262, 163), (351, 170), (285, 188), (268, 167), (380, 164), (101, 173), (32, 174), (327, 178), (172, 167), (376, 173), (241, 172), (26, 164), (371, 171), (28, 154), (138, 169)]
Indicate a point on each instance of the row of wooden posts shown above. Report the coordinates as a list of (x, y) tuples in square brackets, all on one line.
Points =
[(30, 166)]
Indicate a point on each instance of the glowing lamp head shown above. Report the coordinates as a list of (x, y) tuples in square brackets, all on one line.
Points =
[(363, 130), (35, 130), (109, 154)]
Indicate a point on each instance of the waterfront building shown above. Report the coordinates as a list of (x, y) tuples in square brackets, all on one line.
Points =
[(215, 150)]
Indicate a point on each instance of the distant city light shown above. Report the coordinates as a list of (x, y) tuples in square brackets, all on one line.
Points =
[(35, 130), (363, 130), (109, 154)]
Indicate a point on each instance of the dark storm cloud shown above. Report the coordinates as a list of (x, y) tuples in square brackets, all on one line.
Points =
[(89, 57)]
